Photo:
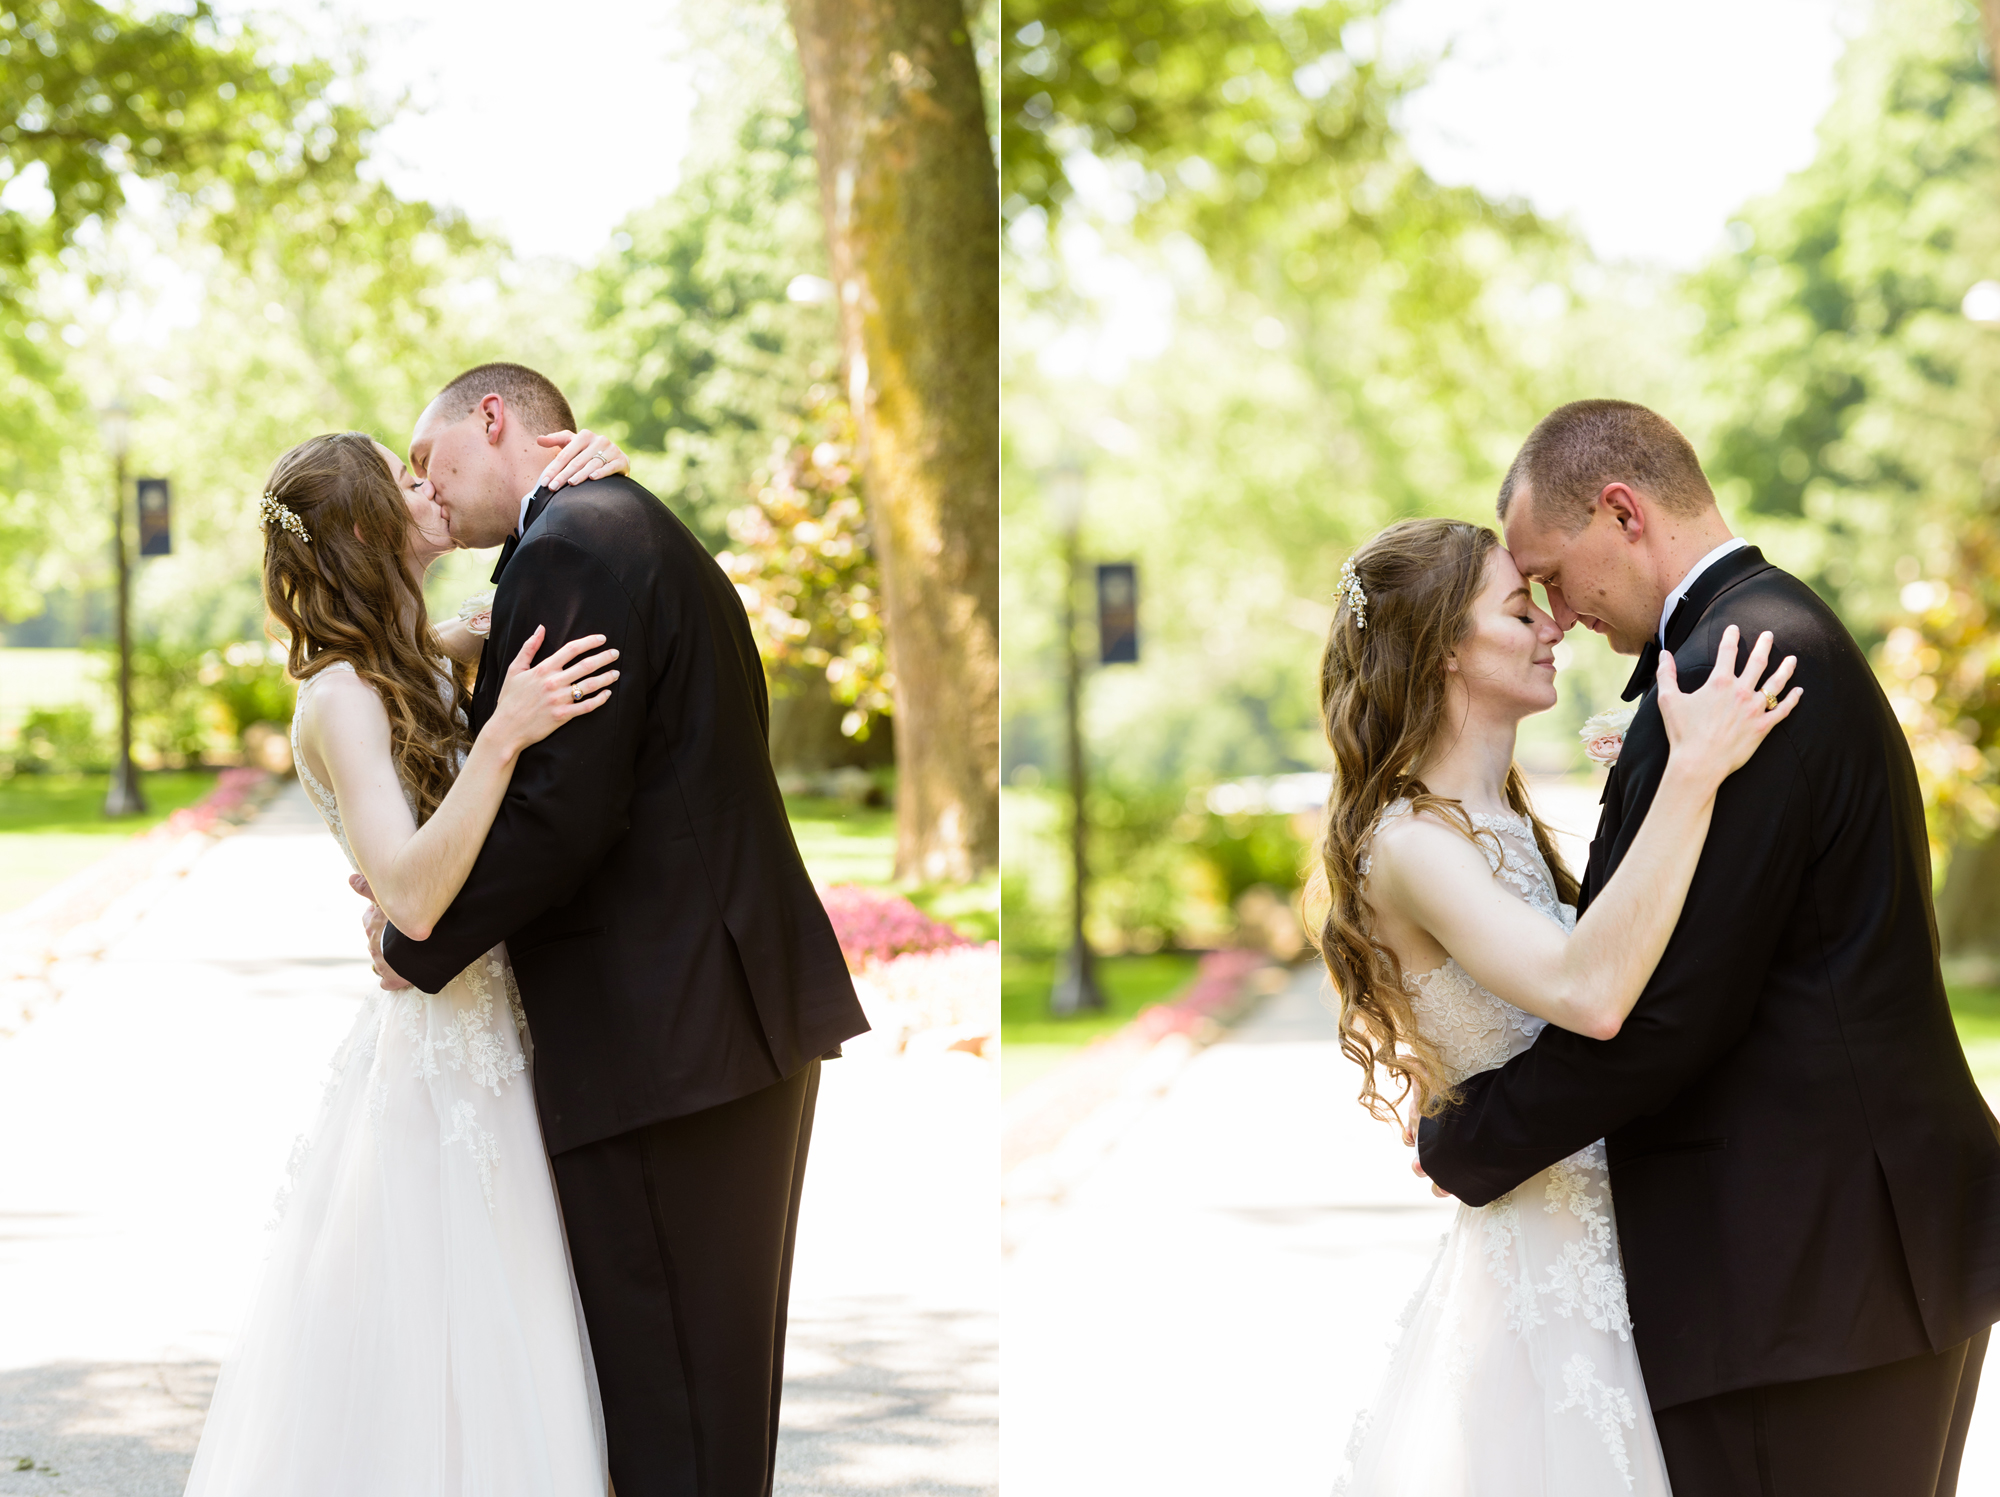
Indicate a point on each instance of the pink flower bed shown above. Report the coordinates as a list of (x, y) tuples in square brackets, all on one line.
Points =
[(875, 927), (225, 803), (1214, 996), (954, 988)]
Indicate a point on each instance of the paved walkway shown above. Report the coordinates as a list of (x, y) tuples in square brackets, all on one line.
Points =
[(148, 1116), (1208, 1311)]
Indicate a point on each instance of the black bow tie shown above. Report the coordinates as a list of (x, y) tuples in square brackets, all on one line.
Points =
[(537, 502), (1648, 668), (1643, 674), (506, 555)]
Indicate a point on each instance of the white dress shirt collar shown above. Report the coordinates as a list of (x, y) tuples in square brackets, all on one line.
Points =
[(1734, 543), (521, 524)]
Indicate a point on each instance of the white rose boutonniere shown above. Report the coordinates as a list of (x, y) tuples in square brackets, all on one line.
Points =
[(1604, 735), (477, 611)]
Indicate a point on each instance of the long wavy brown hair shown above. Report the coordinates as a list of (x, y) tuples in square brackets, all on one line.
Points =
[(349, 593), (1382, 703)]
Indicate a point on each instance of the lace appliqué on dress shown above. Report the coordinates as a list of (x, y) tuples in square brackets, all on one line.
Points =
[(1609, 1408)]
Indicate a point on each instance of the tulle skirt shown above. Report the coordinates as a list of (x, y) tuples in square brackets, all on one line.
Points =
[(1515, 1375), (416, 1332)]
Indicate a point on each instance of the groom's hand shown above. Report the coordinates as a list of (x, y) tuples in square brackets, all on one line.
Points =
[(1417, 1162), (373, 923)]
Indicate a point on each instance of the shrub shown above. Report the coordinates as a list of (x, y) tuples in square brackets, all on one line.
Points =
[(874, 926), (61, 740)]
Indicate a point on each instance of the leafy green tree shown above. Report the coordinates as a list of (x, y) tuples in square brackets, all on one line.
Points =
[(800, 558), (241, 151), (92, 98), (712, 307), (1857, 407)]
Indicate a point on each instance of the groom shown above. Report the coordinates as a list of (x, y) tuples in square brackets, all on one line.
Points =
[(680, 976), (1807, 1182)]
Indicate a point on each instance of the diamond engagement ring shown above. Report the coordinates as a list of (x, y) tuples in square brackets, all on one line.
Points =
[(1770, 702), (576, 693)]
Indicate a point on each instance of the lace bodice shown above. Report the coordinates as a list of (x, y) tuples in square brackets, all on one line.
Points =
[(1474, 1029)]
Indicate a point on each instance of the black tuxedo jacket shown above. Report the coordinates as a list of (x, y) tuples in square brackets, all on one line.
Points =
[(1806, 1179), (671, 949)]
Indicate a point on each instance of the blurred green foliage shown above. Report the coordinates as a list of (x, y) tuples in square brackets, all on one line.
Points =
[(800, 558), (704, 349), (1261, 362), (221, 197), (59, 740), (1166, 872)]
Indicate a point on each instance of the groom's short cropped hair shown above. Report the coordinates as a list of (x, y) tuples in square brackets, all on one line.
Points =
[(1579, 448), (532, 397)]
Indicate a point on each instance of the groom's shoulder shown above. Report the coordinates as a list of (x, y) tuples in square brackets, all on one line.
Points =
[(621, 522), (1772, 598)]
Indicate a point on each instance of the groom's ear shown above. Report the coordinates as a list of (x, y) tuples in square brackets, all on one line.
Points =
[(492, 413), (1622, 505)]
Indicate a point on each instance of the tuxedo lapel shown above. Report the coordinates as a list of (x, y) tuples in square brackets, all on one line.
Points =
[(1709, 586), (1681, 624), (536, 504)]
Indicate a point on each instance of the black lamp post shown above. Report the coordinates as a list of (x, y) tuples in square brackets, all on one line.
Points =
[(1076, 989), (124, 798)]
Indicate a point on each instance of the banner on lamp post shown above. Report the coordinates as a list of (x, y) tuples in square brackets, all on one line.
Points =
[(1118, 613), (156, 510)]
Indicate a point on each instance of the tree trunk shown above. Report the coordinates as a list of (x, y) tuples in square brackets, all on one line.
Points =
[(1968, 910), (805, 728), (909, 192)]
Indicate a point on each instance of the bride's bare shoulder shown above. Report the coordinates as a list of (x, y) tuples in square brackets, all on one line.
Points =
[(1413, 849), (336, 699)]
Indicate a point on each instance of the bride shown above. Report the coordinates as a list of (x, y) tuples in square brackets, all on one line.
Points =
[(1452, 938), (416, 1332)]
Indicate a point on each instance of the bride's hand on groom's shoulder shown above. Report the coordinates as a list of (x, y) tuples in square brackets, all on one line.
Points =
[(1714, 729), (535, 700), (585, 455)]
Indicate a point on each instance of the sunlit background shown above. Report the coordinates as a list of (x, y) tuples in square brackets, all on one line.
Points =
[(225, 230), (622, 195), (1277, 277), (1274, 276)]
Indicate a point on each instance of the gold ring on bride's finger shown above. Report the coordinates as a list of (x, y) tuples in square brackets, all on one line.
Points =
[(576, 694), (1770, 701)]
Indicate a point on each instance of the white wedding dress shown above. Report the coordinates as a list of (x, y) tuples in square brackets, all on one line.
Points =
[(416, 1332), (1515, 1374)]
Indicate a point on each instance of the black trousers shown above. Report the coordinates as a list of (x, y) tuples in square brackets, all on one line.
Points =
[(681, 1234), (1894, 1431)]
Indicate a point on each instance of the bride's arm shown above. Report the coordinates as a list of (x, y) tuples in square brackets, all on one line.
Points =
[(414, 872), (1588, 980)]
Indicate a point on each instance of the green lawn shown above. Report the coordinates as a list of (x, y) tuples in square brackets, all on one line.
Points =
[(1129, 984), (848, 844), (1034, 1041), (52, 826), (844, 843), (1977, 1012)]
